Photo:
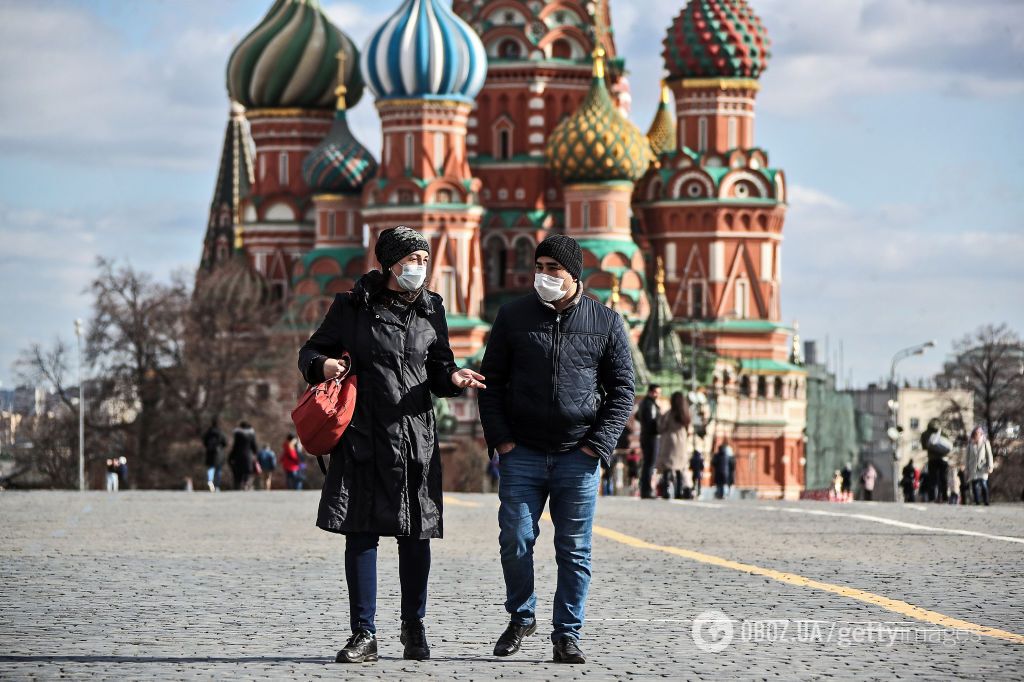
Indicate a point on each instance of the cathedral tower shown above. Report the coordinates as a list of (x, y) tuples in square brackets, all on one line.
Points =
[(284, 72), (713, 212), (425, 66)]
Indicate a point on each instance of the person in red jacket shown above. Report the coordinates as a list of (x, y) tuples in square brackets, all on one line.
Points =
[(291, 464)]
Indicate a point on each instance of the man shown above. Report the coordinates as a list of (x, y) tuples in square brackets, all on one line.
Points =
[(560, 390), (720, 467), (697, 467), (214, 442), (647, 414)]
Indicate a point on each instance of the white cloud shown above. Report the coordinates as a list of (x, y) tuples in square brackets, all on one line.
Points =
[(75, 91), (881, 278)]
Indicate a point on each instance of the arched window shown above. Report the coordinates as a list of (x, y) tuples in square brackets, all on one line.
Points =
[(496, 263), (408, 151), (733, 132), (503, 141), (762, 387), (779, 388), (282, 168), (443, 196), (745, 385), (702, 134), (509, 49), (439, 151), (561, 49), (524, 255)]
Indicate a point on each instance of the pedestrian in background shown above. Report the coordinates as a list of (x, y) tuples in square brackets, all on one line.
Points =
[(384, 478), (907, 478), (268, 463), (720, 469), (697, 469), (112, 479), (122, 473), (671, 460), (290, 463), (837, 485), (867, 481), (847, 472), (214, 442), (561, 389), (243, 455), (731, 473), (648, 414), (979, 464), (952, 480)]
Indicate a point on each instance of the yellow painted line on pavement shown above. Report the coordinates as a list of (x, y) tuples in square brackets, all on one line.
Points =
[(894, 605), (456, 502)]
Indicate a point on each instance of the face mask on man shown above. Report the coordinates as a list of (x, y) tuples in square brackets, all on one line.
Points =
[(548, 287), (412, 276)]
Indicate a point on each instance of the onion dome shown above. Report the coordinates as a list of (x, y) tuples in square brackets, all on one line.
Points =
[(235, 283), (662, 133), (597, 143), (716, 39), (339, 164), (288, 60), (425, 51)]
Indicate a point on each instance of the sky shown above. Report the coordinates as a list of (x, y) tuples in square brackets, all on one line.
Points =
[(897, 123)]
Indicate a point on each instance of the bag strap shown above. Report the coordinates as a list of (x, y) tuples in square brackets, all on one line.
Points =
[(320, 461)]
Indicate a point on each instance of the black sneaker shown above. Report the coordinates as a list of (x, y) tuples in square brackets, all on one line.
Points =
[(567, 650), (360, 648), (512, 638), (414, 637)]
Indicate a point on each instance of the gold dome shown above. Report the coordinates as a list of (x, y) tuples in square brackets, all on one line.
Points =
[(597, 143), (662, 133)]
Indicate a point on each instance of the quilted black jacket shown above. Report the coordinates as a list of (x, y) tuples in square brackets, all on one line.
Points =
[(556, 382)]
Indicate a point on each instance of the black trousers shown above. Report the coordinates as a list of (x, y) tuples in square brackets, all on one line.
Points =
[(361, 577), (648, 445)]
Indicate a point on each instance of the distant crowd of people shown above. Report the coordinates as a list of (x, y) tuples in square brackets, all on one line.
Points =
[(251, 467), (950, 480), (668, 464)]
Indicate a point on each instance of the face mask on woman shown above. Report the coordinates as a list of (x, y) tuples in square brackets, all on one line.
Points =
[(548, 287), (412, 277)]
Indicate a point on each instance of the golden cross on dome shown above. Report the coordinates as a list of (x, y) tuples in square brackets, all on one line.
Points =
[(660, 275), (600, 30), (341, 90)]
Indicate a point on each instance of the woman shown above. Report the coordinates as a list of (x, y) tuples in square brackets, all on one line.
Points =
[(671, 460), (979, 464), (243, 455), (291, 464), (385, 473)]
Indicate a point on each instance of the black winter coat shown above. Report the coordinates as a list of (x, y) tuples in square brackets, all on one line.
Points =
[(243, 450), (214, 442), (557, 381), (385, 473)]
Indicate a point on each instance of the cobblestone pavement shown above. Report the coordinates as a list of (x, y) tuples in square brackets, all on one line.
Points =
[(177, 585)]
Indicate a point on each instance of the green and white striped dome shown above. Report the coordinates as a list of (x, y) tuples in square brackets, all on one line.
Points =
[(290, 60)]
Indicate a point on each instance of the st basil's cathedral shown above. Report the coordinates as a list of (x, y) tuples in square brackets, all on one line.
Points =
[(504, 121)]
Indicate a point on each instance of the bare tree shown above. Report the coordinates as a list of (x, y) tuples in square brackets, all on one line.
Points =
[(990, 363)]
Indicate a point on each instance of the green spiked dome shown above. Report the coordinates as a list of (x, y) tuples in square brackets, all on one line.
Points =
[(597, 143), (662, 133), (290, 60), (716, 39)]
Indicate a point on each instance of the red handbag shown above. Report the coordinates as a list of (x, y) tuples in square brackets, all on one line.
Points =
[(323, 413)]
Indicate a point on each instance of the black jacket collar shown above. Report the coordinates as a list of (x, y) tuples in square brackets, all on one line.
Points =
[(370, 286)]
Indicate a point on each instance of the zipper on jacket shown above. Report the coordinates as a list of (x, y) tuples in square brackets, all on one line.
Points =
[(555, 351)]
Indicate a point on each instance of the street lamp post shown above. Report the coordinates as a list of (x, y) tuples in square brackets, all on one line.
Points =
[(894, 410), (81, 410)]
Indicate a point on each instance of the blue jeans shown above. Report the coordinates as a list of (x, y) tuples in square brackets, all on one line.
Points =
[(361, 578), (979, 488), (528, 479)]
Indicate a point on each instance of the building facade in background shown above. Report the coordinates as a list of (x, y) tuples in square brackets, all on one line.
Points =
[(504, 121)]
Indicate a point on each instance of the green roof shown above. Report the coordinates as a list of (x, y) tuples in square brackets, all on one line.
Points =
[(739, 326), (767, 365), (342, 255), (463, 322), (602, 247)]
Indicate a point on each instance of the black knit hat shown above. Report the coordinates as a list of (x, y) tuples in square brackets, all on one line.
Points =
[(396, 243), (565, 250)]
